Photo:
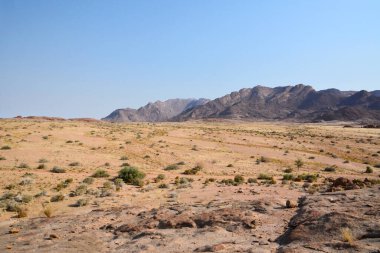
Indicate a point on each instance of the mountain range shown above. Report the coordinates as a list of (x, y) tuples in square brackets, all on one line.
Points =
[(292, 103)]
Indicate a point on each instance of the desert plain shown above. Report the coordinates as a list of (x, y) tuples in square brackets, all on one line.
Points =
[(215, 186)]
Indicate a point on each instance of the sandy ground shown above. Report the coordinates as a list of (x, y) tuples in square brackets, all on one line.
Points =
[(222, 150)]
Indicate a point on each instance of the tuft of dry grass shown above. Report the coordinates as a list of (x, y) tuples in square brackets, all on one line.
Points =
[(48, 211), (347, 235), (21, 212)]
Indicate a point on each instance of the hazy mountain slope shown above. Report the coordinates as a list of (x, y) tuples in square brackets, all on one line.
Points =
[(154, 112)]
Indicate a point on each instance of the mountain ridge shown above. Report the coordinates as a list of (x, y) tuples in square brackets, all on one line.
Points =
[(289, 103)]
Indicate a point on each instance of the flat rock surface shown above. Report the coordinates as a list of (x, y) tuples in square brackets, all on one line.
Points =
[(236, 226)]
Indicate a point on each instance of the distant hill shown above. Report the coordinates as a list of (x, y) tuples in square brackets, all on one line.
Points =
[(155, 112), (293, 103)]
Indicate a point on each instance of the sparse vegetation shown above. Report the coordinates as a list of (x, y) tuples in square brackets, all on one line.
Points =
[(57, 198), (132, 175), (193, 171), (100, 174), (347, 235), (57, 169)]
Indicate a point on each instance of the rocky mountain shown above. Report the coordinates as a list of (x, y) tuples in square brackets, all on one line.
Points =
[(298, 103), (154, 112), (294, 103)]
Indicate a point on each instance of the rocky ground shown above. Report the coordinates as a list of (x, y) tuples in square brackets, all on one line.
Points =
[(345, 221)]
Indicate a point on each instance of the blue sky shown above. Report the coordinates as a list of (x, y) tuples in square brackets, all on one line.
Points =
[(73, 58)]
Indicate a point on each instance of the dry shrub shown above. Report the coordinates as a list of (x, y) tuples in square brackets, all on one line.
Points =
[(347, 235)]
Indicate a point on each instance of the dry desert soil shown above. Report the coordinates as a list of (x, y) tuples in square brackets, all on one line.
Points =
[(188, 187)]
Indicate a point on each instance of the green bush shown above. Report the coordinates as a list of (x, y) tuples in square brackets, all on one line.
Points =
[(132, 175), (288, 177)]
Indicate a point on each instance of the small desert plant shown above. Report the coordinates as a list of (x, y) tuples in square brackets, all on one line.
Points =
[(48, 211), (100, 173), (57, 198), (41, 166), (163, 186), (209, 180), (118, 183), (57, 169), (73, 164), (26, 181), (347, 235), (108, 185), (252, 180), (21, 212), (230, 165), (228, 181), (124, 157), (181, 163), (330, 168), (298, 163), (42, 160), (80, 190), (26, 198), (239, 179), (5, 147), (288, 177), (159, 178), (288, 170), (88, 180), (23, 166), (263, 176), (132, 175), (10, 186), (193, 171), (2, 158), (81, 202), (368, 170), (172, 167)]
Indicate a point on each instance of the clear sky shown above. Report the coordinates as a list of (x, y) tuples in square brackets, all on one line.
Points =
[(78, 58)]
